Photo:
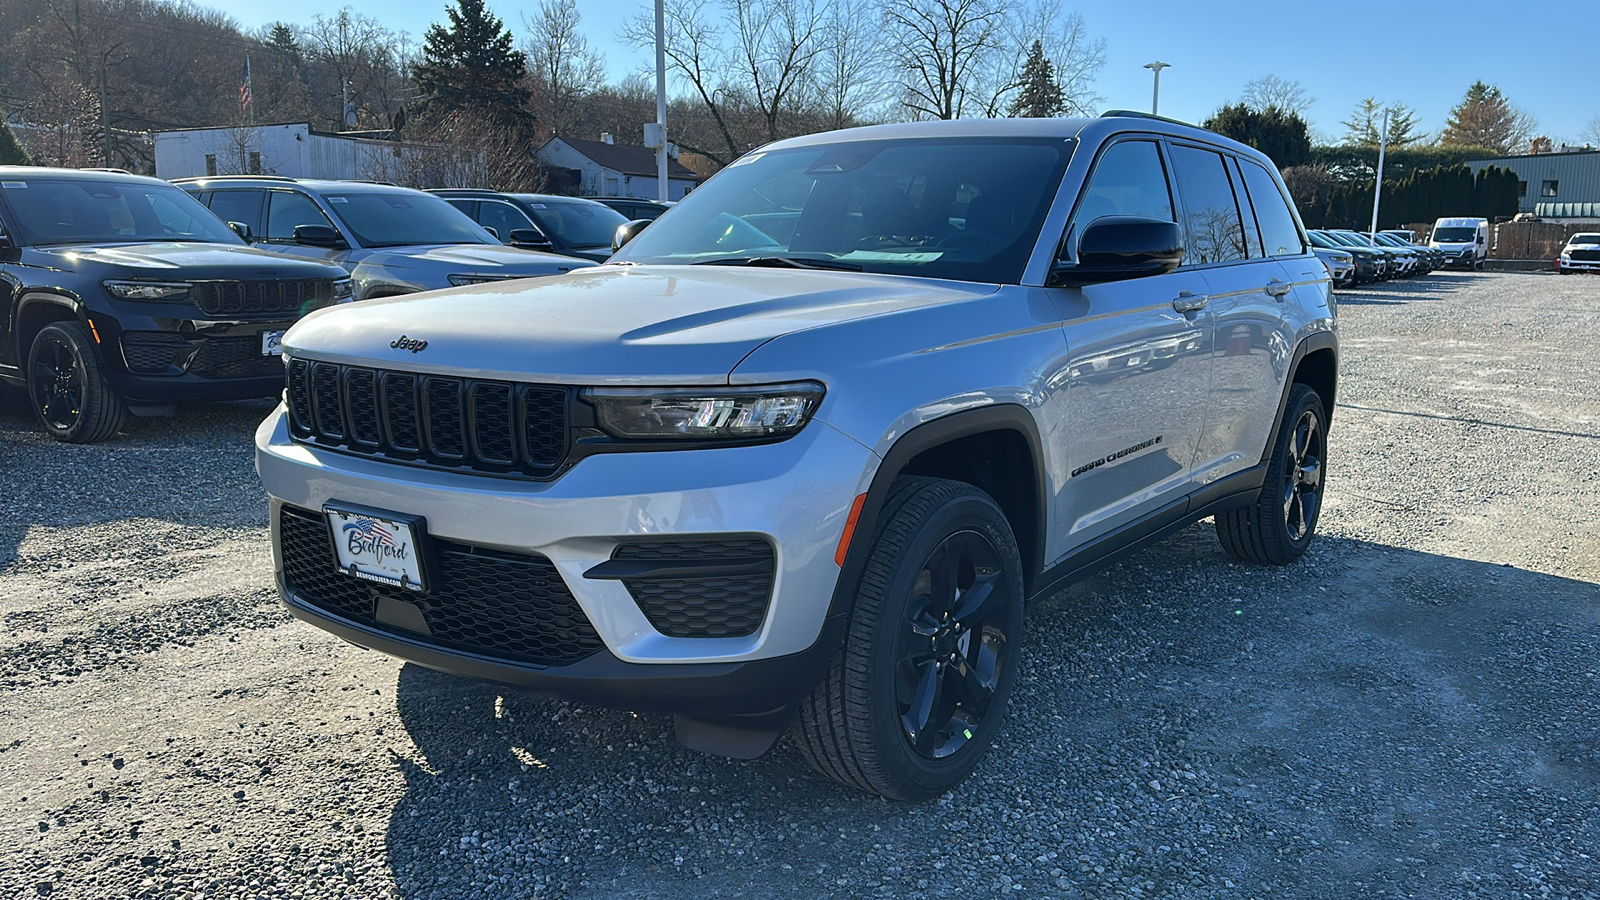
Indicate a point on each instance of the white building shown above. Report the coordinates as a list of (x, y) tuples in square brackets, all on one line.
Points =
[(293, 149), (608, 169)]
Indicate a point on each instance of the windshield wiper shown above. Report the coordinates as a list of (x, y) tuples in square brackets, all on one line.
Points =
[(781, 262)]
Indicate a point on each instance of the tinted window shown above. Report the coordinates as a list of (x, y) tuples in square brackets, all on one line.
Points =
[(287, 209), (1252, 234), (238, 206), (399, 218), (579, 224), (1129, 180), (1279, 233), (1210, 213), (502, 217), (59, 211), (966, 209)]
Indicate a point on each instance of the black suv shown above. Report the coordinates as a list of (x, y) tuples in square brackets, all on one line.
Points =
[(570, 226), (120, 293)]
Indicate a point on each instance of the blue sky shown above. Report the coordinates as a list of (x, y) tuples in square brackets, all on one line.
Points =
[(1421, 54)]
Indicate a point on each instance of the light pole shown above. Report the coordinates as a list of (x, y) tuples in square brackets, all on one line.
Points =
[(1155, 99)]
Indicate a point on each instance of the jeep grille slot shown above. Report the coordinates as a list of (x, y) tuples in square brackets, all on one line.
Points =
[(495, 427), (255, 298), (510, 606)]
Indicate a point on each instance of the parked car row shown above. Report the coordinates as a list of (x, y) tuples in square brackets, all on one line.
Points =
[(1373, 257), (122, 294)]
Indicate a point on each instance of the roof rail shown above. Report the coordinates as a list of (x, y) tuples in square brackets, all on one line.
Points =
[(1135, 114), (113, 171), (214, 177)]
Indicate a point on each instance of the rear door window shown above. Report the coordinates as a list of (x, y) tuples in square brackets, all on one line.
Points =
[(1210, 211), (1279, 233), (503, 218), (238, 206), (288, 209)]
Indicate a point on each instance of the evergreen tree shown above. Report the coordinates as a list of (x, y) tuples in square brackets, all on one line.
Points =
[(11, 153), (1364, 124), (1280, 135), (1485, 118), (1040, 97), (472, 66)]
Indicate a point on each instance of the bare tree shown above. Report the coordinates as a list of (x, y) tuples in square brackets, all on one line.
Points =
[(355, 56), (850, 63), (941, 49), (464, 148), (777, 42), (565, 68), (1591, 133), (695, 54), (1270, 90)]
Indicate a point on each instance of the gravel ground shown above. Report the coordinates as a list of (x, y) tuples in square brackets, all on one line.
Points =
[(1409, 711)]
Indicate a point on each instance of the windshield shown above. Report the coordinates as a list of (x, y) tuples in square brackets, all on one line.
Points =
[(581, 224), (404, 218), (1392, 241), (1585, 239), (1350, 238), (1455, 235), (91, 210), (967, 209)]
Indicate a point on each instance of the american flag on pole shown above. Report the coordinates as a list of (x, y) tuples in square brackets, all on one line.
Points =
[(244, 86)]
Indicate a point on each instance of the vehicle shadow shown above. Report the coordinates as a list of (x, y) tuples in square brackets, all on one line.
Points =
[(1370, 714)]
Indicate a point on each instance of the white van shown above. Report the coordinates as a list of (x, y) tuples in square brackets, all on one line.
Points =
[(1465, 241)]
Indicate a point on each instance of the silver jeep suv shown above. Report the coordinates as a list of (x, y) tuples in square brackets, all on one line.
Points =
[(800, 454)]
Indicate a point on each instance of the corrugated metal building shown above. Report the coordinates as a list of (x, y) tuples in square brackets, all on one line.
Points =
[(1554, 181), (293, 149)]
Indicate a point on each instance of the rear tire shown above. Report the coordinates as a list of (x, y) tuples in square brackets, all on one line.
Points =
[(67, 388), (917, 692), (1279, 526)]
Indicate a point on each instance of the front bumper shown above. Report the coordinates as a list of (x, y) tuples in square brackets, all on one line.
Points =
[(1577, 265), (796, 494), (151, 356)]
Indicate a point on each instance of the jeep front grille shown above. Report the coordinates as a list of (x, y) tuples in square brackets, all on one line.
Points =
[(497, 427), (511, 606), (262, 298)]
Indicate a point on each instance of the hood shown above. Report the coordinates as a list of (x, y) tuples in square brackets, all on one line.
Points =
[(475, 259), (609, 325), (178, 261)]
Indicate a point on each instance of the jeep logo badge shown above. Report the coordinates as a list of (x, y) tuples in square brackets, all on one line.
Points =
[(412, 344)]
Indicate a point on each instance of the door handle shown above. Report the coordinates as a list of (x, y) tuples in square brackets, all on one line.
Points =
[(1188, 302), (1278, 288)]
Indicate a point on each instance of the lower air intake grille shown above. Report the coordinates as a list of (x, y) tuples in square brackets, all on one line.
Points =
[(709, 606), (510, 606)]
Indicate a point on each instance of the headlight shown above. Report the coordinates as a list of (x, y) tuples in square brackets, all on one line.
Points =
[(343, 290), (711, 413), (148, 290)]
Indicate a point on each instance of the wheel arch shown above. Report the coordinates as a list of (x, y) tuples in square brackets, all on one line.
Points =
[(1316, 365), (995, 448), (35, 310)]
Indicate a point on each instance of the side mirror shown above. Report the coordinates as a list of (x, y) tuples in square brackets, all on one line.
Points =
[(243, 231), (626, 232), (1116, 248), (493, 232), (5, 241), (531, 239), (318, 236)]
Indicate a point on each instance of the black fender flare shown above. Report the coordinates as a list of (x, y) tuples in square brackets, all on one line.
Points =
[(999, 417), (32, 298), (1311, 343)]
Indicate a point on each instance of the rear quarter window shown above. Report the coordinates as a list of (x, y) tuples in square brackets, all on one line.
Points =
[(1279, 234)]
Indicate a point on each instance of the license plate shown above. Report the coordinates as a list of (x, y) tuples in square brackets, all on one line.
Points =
[(375, 547), (271, 343)]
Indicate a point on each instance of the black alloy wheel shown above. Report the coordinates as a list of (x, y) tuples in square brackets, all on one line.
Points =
[(918, 691), (953, 645), (67, 387), (1278, 527), (1302, 482)]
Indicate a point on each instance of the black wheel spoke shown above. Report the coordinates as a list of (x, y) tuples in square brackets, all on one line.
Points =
[(943, 567), (980, 600), (920, 719)]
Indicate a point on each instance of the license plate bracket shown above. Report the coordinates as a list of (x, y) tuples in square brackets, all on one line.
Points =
[(378, 545), (271, 343)]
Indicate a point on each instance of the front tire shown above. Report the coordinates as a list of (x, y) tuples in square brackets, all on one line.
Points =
[(917, 692), (67, 387), (1278, 527)]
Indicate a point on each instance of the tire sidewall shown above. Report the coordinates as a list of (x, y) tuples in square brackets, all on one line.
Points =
[(95, 391), (923, 777)]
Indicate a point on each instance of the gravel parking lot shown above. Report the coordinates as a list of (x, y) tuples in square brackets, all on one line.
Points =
[(1412, 710)]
